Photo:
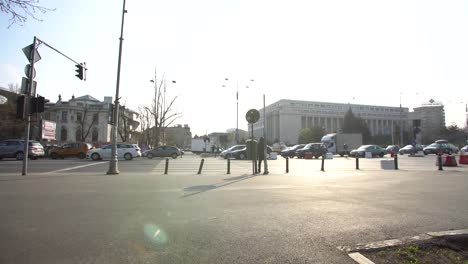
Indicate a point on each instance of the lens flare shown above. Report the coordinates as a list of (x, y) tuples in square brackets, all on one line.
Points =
[(155, 234)]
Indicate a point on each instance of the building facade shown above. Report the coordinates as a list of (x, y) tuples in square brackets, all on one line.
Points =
[(86, 119), (178, 135), (430, 121), (285, 118)]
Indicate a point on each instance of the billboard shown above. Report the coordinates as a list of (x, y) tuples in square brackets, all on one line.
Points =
[(48, 129)]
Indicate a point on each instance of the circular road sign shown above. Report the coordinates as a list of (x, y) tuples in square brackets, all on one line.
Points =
[(252, 116)]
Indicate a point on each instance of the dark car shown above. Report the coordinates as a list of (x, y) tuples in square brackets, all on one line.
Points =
[(373, 149), (163, 151), (410, 149), (440, 146), (291, 151), (14, 148), (316, 149), (242, 153)]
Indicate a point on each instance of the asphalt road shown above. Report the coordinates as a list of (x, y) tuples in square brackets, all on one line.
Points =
[(70, 211)]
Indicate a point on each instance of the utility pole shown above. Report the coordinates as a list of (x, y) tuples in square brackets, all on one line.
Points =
[(265, 165), (113, 164)]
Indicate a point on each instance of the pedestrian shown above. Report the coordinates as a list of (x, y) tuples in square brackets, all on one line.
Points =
[(260, 153)]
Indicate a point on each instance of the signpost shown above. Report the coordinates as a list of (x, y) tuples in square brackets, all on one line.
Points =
[(252, 116)]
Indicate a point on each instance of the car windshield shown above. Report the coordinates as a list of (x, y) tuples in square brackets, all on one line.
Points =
[(365, 147), (434, 145)]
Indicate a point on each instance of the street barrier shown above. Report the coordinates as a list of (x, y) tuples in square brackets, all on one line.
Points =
[(287, 164), (439, 161), (228, 166), (323, 163), (167, 166), (357, 162), (201, 166), (395, 159)]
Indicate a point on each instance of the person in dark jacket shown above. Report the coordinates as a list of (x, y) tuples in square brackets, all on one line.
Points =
[(260, 153)]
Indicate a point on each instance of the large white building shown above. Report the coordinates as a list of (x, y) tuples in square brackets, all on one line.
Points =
[(86, 117), (285, 118)]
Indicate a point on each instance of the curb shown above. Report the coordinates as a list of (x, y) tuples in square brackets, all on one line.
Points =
[(353, 253)]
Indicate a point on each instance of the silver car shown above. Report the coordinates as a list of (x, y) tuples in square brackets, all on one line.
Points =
[(14, 148), (228, 152)]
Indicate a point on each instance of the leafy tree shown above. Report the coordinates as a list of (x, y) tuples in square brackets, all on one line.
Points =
[(455, 135), (355, 124), (20, 10), (317, 133), (305, 136)]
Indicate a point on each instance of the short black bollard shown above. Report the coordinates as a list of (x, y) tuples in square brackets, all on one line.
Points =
[(287, 164), (395, 160), (357, 162), (228, 166), (323, 163), (439, 161), (167, 166), (201, 166)]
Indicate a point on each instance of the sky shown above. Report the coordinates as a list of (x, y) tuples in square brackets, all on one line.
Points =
[(361, 52)]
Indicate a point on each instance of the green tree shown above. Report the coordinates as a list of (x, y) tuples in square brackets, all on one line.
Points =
[(305, 136), (317, 133), (355, 124)]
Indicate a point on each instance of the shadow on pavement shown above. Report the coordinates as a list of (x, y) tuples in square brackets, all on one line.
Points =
[(204, 188)]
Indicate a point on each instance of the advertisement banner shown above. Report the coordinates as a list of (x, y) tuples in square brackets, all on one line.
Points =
[(48, 129)]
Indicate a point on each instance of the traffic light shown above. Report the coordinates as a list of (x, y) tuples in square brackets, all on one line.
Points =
[(110, 115), (80, 71), (37, 104), (20, 107)]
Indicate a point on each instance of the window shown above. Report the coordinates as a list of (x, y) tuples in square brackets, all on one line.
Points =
[(94, 135), (63, 133), (96, 118), (78, 135), (79, 116), (64, 115)]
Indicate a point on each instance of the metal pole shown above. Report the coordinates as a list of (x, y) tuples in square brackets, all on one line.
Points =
[(323, 163), (237, 117), (265, 165), (113, 164), (401, 125), (166, 167), (201, 166), (26, 111), (228, 166), (287, 164)]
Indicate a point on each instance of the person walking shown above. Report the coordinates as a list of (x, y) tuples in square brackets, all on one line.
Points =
[(260, 153)]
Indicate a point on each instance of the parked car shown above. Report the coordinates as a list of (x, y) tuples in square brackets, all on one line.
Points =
[(465, 149), (163, 151), (70, 150), (126, 151), (440, 146), (228, 152), (242, 153), (291, 151), (374, 149), (317, 150), (392, 148), (410, 149), (14, 148)]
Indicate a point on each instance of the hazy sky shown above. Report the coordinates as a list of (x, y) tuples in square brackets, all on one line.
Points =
[(364, 52)]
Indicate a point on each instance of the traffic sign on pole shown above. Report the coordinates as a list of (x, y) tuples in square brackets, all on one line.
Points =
[(28, 51)]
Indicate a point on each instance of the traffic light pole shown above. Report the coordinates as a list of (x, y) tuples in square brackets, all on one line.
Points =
[(113, 164), (26, 111)]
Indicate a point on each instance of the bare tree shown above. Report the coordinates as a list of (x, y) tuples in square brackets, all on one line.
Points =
[(20, 10), (84, 127), (14, 88), (161, 110), (127, 125)]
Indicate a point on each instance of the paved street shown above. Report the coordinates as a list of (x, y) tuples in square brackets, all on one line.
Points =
[(70, 211)]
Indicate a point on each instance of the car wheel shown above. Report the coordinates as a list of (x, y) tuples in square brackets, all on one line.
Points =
[(149, 155), (242, 156), (34, 158), (19, 155), (81, 155), (381, 155), (174, 155), (54, 155), (128, 156), (316, 156), (95, 156), (449, 152)]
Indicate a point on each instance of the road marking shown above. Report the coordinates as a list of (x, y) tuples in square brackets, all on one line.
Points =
[(73, 168), (359, 258)]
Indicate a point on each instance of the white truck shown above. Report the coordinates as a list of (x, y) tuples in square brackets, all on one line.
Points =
[(342, 143), (200, 145)]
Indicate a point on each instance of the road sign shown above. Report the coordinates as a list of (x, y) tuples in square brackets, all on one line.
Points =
[(27, 71), (26, 86), (252, 116), (28, 52)]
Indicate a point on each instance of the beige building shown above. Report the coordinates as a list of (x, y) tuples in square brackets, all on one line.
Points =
[(178, 135), (430, 119), (86, 119)]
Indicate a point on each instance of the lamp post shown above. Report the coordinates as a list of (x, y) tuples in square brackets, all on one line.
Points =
[(401, 125), (113, 164), (237, 107)]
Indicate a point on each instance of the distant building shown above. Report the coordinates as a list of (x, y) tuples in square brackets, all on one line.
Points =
[(178, 135), (285, 118), (86, 119), (429, 118)]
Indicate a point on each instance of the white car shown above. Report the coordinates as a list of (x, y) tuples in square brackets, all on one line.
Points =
[(126, 151)]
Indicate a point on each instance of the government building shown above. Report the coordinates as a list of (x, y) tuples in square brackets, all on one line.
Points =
[(285, 118)]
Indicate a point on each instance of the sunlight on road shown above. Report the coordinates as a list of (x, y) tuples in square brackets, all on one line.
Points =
[(155, 234)]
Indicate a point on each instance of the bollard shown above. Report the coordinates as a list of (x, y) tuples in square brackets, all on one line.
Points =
[(167, 166), (201, 166), (323, 163), (357, 162), (228, 166), (395, 159), (287, 164), (439, 160)]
